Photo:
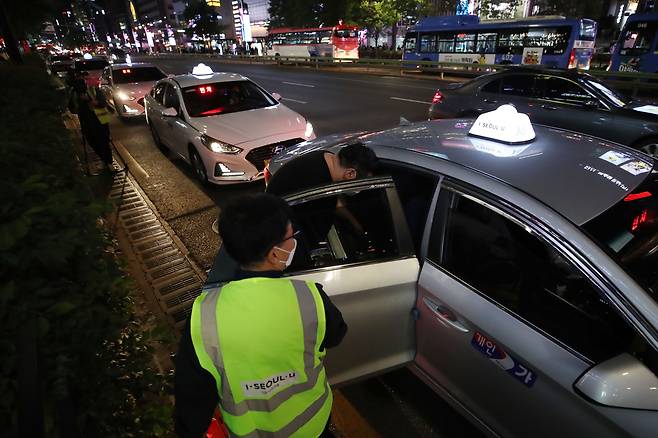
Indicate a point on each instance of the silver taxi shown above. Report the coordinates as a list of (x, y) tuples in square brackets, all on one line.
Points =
[(518, 279)]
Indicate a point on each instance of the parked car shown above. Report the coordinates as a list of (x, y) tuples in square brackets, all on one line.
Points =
[(224, 125), (126, 85), (512, 267), (566, 99)]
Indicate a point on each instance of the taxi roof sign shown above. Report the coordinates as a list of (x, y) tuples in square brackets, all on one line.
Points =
[(202, 70), (504, 124)]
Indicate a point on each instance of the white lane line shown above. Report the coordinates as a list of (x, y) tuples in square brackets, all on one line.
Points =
[(294, 100), (298, 84), (411, 100)]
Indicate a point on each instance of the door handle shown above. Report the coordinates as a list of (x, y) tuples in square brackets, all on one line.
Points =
[(444, 315), (549, 107), (490, 101)]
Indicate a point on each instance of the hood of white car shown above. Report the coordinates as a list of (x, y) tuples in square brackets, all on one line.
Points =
[(248, 126), (137, 89)]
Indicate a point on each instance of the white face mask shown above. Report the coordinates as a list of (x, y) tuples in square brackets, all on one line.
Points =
[(291, 253)]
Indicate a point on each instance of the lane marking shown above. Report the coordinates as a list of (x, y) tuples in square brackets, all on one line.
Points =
[(127, 158), (294, 100), (411, 100), (298, 84)]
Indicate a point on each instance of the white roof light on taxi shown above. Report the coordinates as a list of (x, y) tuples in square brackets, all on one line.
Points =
[(504, 124), (86, 56), (202, 70)]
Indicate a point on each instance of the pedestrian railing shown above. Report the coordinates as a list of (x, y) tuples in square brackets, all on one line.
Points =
[(633, 82)]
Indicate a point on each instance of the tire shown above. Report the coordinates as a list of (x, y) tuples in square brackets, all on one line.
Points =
[(649, 147), (197, 166)]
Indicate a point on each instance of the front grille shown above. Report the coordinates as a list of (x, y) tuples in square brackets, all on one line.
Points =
[(141, 101), (258, 156)]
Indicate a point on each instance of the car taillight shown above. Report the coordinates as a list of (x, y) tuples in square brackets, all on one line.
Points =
[(267, 174), (572, 59), (438, 97)]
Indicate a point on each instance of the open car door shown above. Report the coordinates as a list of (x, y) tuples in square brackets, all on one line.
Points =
[(354, 241)]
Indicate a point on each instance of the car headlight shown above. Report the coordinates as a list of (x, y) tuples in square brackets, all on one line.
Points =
[(219, 146), (124, 96), (309, 130)]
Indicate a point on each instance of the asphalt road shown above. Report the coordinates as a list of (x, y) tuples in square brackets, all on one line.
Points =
[(396, 404)]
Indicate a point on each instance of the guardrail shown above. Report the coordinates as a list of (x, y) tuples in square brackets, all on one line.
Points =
[(634, 82)]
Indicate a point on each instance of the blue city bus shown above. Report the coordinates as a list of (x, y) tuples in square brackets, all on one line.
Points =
[(636, 48), (556, 42)]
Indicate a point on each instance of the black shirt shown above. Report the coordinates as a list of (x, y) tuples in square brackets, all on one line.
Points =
[(195, 388), (309, 170)]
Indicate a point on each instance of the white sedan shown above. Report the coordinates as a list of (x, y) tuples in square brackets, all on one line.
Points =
[(125, 86), (224, 125)]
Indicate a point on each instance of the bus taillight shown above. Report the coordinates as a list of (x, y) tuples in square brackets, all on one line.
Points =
[(572, 59)]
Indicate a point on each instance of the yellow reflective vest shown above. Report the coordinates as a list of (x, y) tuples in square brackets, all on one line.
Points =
[(260, 339), (102, 113)]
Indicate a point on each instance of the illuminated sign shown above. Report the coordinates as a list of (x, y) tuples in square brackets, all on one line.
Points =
[(504, 124)]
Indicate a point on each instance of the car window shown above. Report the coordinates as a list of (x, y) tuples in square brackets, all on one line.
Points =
[(345, 229), (519, 85), (510, 265), (171, 98), (158, 93), (137, 74), (562, 90), (224, 97), (492, 87)]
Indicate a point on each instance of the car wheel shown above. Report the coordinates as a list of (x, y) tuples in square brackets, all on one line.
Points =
[(156, 137), (649, 147), (197, 166)]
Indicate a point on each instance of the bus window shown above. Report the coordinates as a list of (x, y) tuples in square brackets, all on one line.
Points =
[(307, 38), (637, 38), (410, 43), (511, 41), (465, 43), (427, 43), (554, 41), (486, 43), (325, 37), (446, 42)]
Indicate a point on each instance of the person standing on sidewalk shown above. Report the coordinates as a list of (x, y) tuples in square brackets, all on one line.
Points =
[(94, 116), (256, 345)]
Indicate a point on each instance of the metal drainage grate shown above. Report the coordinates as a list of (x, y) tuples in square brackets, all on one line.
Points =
[(170, 272)]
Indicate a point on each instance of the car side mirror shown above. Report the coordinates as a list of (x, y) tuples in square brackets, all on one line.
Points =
[(171, 75), (170, 112), (276, 97), (621, 382), (104, 82), (591, 104)]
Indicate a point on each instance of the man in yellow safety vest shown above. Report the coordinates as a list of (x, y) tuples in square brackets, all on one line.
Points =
[(256, 346)]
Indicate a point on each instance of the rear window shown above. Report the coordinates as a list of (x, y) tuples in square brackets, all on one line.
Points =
[(345, 33), (90, 65), (224, 97), (141, 74), (629, 230)]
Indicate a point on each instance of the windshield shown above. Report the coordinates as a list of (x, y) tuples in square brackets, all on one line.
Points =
[(224, 97), (91, 65), (630, 231), (345, 33), (638, 37), (140, 74), (614, 96)]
